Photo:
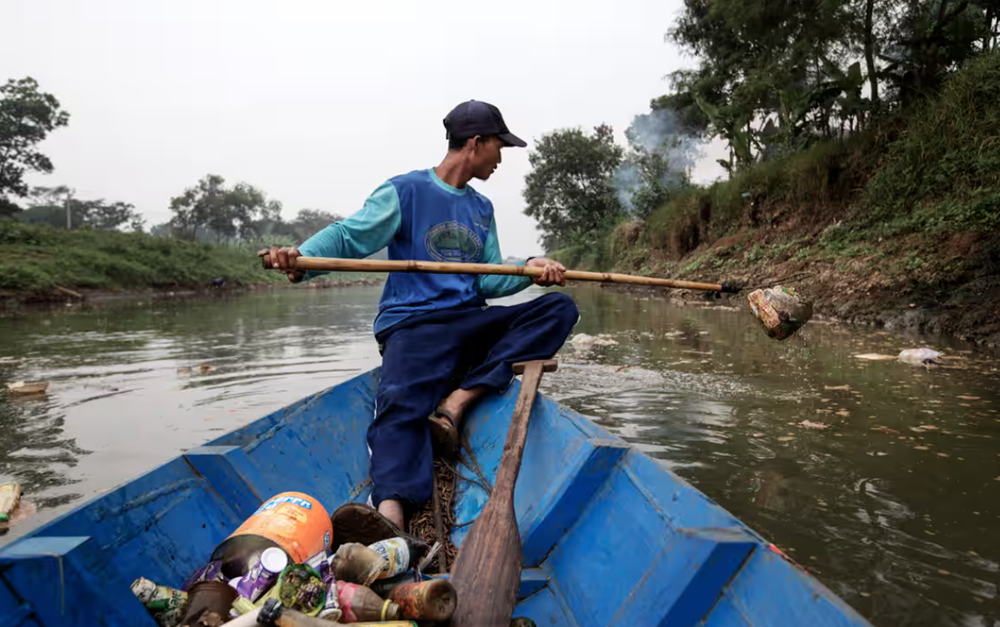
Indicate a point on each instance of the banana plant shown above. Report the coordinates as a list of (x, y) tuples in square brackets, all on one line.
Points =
[(732, 129), (852, 105)]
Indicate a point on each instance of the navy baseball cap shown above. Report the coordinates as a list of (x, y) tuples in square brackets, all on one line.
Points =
[(473, 118)]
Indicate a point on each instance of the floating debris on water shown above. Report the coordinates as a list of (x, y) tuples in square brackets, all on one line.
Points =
[(590, 340), (875, 357), (27, 388), (10, 497), (919, 356), (884, 430), (808, 424)]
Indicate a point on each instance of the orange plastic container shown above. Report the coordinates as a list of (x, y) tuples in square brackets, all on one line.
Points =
[(294, 522)]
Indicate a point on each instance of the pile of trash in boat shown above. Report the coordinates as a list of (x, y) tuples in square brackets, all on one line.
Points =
[(283, 566)]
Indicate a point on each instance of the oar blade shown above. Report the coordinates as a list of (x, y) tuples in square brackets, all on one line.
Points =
[(488, 570)]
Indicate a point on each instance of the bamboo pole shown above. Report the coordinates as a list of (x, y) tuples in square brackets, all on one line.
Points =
[(330, 264)]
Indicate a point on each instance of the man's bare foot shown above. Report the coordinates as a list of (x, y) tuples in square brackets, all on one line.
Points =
[(459, 401), (393, 510)]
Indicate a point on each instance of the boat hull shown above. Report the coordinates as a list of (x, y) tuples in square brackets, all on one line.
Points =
[(609, 537)]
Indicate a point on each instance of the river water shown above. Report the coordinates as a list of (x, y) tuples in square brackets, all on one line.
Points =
[(881, 478)]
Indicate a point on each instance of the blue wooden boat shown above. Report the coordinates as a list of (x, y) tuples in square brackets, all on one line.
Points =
[(609, 536)]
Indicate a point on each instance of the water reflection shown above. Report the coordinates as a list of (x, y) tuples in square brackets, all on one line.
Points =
[(134, 384), (34, 448), (875, 475), (879, 477)]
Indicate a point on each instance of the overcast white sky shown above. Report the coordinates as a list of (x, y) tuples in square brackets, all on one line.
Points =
[(318, 101)]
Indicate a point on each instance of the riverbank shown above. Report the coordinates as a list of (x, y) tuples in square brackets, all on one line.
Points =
[(919, 284), (40, 265), (12, 303), (897, 225)]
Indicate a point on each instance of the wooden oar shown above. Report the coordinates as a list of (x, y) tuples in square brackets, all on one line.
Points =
[(487, 571), (330, 264)]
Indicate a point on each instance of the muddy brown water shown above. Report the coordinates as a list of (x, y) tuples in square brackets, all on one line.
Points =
[(881, 478)]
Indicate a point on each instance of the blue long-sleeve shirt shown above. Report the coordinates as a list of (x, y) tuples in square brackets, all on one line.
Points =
[(419, 216)]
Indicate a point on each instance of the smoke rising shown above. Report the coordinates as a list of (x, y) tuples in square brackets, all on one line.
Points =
[(658, 162)]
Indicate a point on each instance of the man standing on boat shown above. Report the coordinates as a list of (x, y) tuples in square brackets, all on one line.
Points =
[(443, 347)]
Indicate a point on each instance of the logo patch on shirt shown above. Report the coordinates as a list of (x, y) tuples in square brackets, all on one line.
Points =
[(453, 241)]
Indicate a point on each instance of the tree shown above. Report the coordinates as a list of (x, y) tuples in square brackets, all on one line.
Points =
[(8, 208), (311, 221), (49, 206), (210, 210), (113, 216), (928, 38), (762, 80), (27, 116), (774, 76), (569, 189)]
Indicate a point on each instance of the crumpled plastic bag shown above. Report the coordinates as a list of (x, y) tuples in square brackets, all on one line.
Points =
[(919, 356), (780, 309)]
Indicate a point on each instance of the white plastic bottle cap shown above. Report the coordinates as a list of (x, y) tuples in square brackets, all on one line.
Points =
[(274, 560)]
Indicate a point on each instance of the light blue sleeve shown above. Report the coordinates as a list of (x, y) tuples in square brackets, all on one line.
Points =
[(367, 231), (498, 285)]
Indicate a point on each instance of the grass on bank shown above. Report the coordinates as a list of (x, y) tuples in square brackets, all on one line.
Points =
[(38, 259)]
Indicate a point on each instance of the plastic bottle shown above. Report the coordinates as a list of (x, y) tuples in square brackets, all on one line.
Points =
[(331, 607), (384, 587), (356, 563), (275, 614), (10, 496), (164, 603), (358, 603), (433, 600), (396, 554)]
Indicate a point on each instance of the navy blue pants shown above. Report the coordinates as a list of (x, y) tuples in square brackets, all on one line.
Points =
[(427, 357)]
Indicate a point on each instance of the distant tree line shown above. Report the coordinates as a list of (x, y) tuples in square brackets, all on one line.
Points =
[(210, 211)]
